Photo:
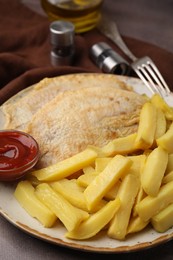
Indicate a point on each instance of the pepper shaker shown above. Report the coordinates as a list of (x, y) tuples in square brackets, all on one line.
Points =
[(108, 60), (62, 41)]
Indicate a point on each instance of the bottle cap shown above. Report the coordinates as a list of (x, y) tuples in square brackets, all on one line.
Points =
[(108, 60), (62, 33)]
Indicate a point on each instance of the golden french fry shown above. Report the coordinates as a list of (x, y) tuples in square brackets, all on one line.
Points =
[(138, 162), (66, 167), (136, 224), (98, 150), (140, 196), (85, 179), (147, 127), (160, 124), (127, 193), (95, 222), (154, 170), (166, 140), (159, 102), (163, 220), (73, 192), (101, 163), (169, 167), (168, 177), (25, 195), (150, 206), (121, 145), (112, 193), (88, 170), (102, 183), (69, 215)]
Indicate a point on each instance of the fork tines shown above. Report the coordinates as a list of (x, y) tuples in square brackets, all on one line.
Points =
[(149, 73)]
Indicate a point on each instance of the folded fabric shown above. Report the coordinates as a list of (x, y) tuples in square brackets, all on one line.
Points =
[(25, 50)]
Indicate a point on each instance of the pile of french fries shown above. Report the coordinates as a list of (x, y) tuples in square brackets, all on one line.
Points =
[(121, 187)]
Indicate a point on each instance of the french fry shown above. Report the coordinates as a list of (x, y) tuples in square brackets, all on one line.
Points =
[(163, 220), (136, 224), (159, 102), (112, 193), (66, 167), (69, 215), (140, 196), (127, 193), (121, 145), (168, 177), (150, 206), (169, 167), (101, 163), (138, 162), (102, 183), (85, 179), (95, 222), (25, 195), (74, 193), (71, 191), (88, 170), (147, 127), (153, 171), (161, 123), (166, 140), (98, 150)]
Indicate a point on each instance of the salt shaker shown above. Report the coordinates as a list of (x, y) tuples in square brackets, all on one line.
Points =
[(62, 41), (108, 60)]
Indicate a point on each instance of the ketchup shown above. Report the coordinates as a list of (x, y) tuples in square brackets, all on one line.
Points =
[(19, 152)]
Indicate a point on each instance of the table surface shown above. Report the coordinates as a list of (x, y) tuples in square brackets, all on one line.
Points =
[(151, 21)]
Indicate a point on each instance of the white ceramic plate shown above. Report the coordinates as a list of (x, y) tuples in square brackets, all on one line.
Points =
[(12, 211)]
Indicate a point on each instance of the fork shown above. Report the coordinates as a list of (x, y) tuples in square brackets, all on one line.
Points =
[(144, 67)]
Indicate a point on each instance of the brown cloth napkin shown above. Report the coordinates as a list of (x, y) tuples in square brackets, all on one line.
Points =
[(25, 50)]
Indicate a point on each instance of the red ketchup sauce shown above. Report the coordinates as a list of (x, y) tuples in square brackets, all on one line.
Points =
[(19, 152)]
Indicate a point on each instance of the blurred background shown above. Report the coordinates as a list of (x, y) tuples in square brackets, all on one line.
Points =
[(146, 20)]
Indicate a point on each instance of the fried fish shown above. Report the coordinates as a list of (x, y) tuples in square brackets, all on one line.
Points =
[(76, 118), (19, 110)]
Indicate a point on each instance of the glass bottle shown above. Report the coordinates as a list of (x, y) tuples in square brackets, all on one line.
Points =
[(84, 14)]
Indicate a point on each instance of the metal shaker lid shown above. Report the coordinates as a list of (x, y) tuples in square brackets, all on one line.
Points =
[(62, 33), (108, 60)]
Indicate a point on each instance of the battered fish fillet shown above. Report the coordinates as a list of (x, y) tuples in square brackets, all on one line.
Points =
[(74, 119), (19, 110)]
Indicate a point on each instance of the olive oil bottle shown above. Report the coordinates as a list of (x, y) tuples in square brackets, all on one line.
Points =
[(84, 14)]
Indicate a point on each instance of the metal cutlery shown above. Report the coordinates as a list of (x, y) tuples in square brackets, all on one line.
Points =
[(144, 67)]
